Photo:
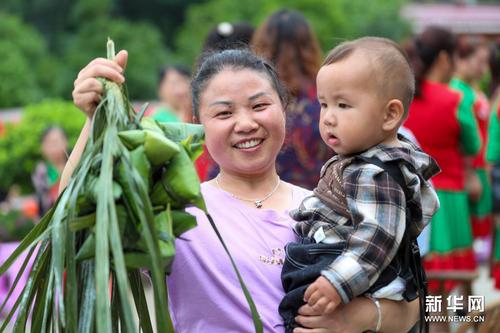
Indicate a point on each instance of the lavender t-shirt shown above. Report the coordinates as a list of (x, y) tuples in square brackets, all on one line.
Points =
[(205, 295)]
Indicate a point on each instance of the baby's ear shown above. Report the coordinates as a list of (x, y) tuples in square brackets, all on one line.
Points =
[(393, 115)]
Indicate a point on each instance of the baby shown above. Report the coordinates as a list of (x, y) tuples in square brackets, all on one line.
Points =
[(373, 197)]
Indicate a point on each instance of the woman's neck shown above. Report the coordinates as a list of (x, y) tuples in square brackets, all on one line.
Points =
[(435, 76), (463, 78), (248, 185), (58, 164), (266, 187)]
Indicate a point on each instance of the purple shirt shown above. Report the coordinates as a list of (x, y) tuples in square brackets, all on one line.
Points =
[(205, 294)]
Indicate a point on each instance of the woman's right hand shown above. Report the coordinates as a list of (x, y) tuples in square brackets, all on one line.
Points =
[(88, 90)]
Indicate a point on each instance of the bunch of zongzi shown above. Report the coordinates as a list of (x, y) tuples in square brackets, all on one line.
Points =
[(118, 216)]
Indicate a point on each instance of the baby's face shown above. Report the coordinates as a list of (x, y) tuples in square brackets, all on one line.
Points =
[(352, 112)]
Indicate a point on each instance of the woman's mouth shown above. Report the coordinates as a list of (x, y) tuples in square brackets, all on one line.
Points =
[(248, 144)]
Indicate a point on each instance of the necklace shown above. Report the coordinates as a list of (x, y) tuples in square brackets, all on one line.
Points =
[(257, 202)]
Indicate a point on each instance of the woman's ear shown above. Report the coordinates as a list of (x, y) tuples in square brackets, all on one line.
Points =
[(393, 115)]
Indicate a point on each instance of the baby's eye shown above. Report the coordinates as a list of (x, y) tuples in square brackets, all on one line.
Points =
[(323, 105), (343, 105)]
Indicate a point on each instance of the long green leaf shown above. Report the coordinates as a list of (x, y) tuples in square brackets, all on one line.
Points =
[(102, 228), (87, 308), (26, 300), (140, 301), (144, 214)]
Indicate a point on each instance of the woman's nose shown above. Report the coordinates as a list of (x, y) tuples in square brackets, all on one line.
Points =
[(245, 122)]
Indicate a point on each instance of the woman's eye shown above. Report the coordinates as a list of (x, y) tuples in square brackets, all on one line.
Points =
[(223, 114), (260, 106)]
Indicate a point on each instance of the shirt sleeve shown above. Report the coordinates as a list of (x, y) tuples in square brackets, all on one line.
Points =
[(493, 145), (377, 205), (470, 138)]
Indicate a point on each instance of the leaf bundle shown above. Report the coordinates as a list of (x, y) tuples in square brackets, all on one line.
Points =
[(118, 217)]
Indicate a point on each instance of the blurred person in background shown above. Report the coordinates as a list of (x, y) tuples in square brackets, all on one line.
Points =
[(447, 130), (493, 156), (289, 42), (47, 172), (471, 64), (174, 92)]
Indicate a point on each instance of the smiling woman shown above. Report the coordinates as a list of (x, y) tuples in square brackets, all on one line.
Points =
[(239, 100), (244, 123)]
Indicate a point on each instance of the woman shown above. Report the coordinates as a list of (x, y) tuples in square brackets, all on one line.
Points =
[(471, 64), (174, 94), (493, 155), (289, 42), (437, 109), (241, 103), (45, 177)]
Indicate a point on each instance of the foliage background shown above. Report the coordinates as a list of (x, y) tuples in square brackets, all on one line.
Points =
[(44, 43), (20, 148)]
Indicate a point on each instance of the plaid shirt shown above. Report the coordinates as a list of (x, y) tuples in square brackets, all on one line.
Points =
[(377, 214)]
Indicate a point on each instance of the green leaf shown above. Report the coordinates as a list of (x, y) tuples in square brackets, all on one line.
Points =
[(178, 132), (182, 222)]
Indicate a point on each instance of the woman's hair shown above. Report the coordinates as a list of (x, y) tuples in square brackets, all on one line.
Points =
[(238, 59), (289, 42), (51, 128), (424, 49), (227, 35), (495, 66), (468, 45)]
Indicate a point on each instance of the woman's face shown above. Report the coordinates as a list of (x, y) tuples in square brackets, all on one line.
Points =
[(244, 121), (447, 64), (175, 90), (54, 146), (475, 66)]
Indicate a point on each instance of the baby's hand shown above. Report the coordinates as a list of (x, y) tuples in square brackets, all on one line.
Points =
[(322, 296)]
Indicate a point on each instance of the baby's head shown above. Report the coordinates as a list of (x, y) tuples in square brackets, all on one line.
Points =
[(365, 88)]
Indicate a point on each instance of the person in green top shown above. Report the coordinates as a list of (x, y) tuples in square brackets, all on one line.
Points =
[(471, 65), (45, 177), (174, 94), (493, 155)]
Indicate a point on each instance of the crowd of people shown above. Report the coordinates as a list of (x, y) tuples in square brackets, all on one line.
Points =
[(289, 148)]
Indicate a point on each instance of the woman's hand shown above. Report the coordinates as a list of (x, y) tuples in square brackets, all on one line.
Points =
[(345, 319), (87, 89), (86, 96), (359, 315)]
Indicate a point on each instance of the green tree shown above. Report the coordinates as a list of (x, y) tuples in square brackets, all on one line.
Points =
[(333, 21), (167, 15), (143, 42), (20, 147), (27, 70)]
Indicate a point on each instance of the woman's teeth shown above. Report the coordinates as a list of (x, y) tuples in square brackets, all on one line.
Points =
[(249, 144)]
